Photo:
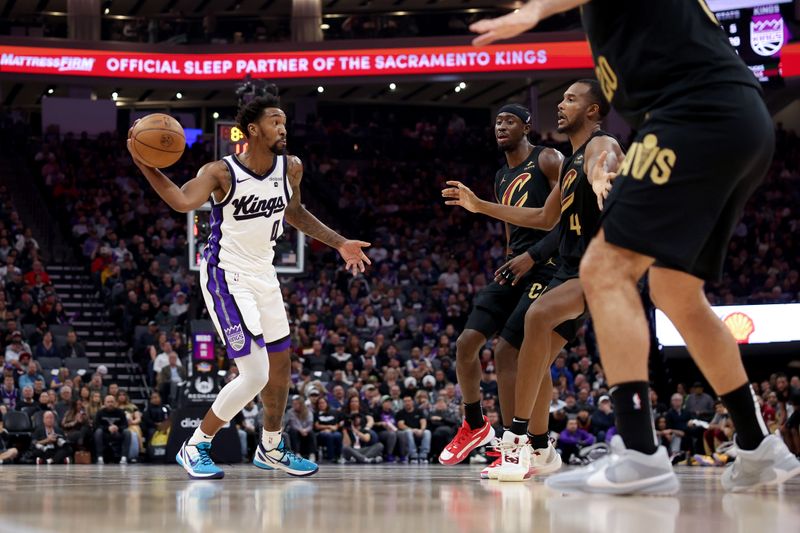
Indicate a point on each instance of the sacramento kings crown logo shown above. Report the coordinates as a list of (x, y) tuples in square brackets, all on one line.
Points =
[(766, 34), (235, 337)]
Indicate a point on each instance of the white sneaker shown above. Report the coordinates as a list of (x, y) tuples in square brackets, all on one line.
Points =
[(123, 460), (622, 471), (516, 458), (770, 464), (546, 460), (101, 461)]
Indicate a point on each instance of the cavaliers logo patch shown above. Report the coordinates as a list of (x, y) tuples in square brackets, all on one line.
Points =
[(235, 337), (741, 326)]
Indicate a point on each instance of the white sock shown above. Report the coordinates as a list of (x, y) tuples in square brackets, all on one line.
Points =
[(198, 437), (270, 439)]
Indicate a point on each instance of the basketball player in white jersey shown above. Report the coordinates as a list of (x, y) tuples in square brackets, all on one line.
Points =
[(250, 194)]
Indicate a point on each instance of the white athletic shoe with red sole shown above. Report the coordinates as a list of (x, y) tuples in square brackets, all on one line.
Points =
[(465, 441)]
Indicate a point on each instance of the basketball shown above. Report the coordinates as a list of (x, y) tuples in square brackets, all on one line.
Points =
[(158, 140)]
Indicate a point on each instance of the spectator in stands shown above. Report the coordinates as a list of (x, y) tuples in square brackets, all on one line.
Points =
[(179, 306), (50, 444), (300, 428), (155, 417), (361, 444), (58, 315), (584, 421), (699, 404), (47, 348), (327, 424), (559, 369), (94, 406), (111, 431), (602, 418), (27, 401), (720, 429), (72, 347), (37, 277), (572, 439), (414, 428), (33, 374), (666, 436), (8, 453), (337, 359), (76, 425), (9, 393), (677, 419), (170, 377), (16, 347), (134, 421), (386, 425), (247, 426), (659, 409), (61, 378), (337, 398), (96, 384), (443, 424), (64, 403), (45, 404)]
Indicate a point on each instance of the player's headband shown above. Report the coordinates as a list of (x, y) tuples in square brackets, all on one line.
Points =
[(517, 110)]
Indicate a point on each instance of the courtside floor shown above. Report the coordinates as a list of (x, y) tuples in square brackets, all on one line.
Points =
[(374, 499)]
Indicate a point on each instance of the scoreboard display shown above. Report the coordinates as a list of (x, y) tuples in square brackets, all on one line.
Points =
[(229, 139), (757, 31)]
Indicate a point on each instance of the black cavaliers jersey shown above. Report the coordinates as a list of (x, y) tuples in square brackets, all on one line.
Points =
[(523, 186), (649, 53), (580, 215)]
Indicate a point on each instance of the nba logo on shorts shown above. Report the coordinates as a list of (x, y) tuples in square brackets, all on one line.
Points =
[(235, 337)]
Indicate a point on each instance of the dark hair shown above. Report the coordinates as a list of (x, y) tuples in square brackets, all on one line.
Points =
[(252, 110), (596, 95)]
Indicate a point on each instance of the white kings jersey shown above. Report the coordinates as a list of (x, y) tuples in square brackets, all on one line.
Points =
[(248, 221)]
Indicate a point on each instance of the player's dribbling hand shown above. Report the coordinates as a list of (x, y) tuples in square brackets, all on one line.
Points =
[(353, 255), (507, 26), (461, 195), (514, 269), (601, 178)]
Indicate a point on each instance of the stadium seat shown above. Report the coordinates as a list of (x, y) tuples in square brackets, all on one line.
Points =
[(60, 330), (49, 363), (28, 330), (18, 423), (77, 363)]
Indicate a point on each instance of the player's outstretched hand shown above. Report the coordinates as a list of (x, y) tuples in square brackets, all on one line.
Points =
[(462, 195), (353, 255), (600, 178), (514, 269), (507, 26)]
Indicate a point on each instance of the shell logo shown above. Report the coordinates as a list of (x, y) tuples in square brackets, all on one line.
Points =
[(741, 326)]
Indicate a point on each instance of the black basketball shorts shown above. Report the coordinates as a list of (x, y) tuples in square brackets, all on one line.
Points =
[(686, 178), (501, 308)]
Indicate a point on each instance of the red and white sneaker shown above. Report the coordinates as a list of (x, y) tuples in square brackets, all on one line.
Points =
[(465, 441), (490, 472), (516, 458)]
